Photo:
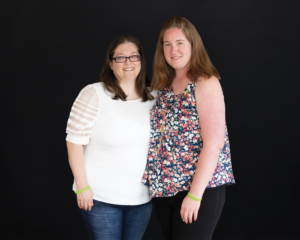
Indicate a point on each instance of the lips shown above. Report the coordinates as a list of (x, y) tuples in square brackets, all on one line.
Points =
[(175, 57), (128, 69)]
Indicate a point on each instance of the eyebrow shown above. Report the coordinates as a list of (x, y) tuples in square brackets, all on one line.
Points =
[(176, 40), (124, 54)]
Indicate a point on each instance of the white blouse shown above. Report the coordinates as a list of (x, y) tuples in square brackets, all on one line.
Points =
[(116, 137)]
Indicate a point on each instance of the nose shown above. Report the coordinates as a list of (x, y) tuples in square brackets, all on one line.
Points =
[(127, 61), (173, 48)]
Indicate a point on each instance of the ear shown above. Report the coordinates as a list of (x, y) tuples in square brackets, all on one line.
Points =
[(110, 64)]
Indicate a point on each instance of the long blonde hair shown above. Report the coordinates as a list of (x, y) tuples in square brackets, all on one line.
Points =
[(200, 64)]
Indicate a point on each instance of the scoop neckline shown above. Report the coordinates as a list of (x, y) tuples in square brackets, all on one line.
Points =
[(136, 100)]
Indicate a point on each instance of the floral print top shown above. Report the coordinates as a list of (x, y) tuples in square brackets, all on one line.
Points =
[(176, 143)]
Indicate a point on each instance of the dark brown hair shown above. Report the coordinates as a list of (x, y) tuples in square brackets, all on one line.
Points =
[(110, 81), (199, 65)]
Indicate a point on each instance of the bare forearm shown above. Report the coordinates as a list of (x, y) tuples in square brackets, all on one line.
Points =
[(206, 166), (76, 160)]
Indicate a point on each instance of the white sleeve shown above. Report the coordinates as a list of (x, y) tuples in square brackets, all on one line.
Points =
[(83, 116)]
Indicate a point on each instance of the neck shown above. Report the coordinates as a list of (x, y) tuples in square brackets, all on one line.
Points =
[(128, 86), (180, 75)]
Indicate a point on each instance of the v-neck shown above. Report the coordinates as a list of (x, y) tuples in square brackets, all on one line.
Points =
[(185, 90)]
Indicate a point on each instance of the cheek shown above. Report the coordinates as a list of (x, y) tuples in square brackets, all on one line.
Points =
[(187, 52), (165, 53), (120, 67), (117, 70), (167, 56), (138, 67)]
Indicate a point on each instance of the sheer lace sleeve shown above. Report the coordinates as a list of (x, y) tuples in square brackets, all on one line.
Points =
[(83, 116)]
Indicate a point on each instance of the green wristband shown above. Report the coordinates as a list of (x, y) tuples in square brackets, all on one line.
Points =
[(82, 190), (197, 199)]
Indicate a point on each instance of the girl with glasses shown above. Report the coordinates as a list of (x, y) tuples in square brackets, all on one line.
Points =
[(108, 138)]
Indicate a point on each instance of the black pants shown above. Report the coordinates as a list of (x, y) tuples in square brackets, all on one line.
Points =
[(168, 212)]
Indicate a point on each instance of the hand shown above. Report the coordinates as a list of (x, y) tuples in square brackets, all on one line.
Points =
[(85, 200), (189, 207)]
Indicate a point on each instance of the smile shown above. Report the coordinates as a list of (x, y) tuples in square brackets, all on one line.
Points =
[(128, 69), (175, 57)]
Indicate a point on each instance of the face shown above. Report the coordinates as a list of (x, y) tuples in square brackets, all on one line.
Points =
[(177, 49), (127, 70)]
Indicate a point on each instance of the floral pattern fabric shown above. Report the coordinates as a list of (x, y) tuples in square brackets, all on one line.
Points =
[(176, 143)]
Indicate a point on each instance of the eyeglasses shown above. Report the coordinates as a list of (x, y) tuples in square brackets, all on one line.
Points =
[(121, 59)]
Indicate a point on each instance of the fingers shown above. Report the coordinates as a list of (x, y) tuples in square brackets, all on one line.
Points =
[(85, 204), (195, 215), (184, 216), (90, 205), (79, 203), (189, 208), (187, 216), (85, 200), (190, 216)]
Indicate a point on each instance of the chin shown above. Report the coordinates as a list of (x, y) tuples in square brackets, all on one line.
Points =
[(177, 66), (130, 77)]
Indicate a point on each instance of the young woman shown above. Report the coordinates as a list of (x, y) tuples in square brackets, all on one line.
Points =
[(108, 138), (189, 155)]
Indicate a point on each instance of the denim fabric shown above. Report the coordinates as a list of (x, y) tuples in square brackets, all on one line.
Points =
[(111, 222)]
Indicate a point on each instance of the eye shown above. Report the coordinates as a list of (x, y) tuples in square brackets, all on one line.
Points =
[(135, 58), (180, 43), (120, 58), (167, 44)]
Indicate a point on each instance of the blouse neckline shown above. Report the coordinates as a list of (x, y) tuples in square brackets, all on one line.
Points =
[(185, 90)]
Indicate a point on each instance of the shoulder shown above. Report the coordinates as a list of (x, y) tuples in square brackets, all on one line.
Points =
[(101, 90), (88, 95), (162, 92), (97, 86), (208, 85), (88, 90)]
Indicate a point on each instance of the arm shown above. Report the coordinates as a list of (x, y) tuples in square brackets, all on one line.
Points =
[(75, 153), (82, 118), (211, 112)]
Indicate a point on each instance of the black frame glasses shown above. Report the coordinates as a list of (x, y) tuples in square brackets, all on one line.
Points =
[(123, 57)]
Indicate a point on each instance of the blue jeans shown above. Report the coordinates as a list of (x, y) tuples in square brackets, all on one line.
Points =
[(111, 222)]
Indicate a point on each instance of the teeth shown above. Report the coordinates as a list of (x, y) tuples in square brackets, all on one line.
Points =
[(175, 57), (128, 69)]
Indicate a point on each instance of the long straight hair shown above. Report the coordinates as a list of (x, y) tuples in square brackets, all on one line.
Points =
[(199, 65), (109, 79)]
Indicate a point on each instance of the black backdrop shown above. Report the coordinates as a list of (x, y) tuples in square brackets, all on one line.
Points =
[(51, 49)]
